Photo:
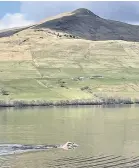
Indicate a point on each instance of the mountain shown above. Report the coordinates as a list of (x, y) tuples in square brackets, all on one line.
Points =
[(83, 23), (75, 55)]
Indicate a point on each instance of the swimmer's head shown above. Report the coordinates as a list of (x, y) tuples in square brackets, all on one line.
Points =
[(69, 145)]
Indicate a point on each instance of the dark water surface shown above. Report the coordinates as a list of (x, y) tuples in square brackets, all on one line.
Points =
[(107, 136)]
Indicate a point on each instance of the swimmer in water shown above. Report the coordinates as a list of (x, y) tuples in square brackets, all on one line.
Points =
[(18, 148), (69, 145), (66, 146)]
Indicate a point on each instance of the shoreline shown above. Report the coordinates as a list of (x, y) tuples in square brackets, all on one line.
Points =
[(37, 103)]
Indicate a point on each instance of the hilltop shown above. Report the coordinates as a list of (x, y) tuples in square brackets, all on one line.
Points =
[(75, 55)]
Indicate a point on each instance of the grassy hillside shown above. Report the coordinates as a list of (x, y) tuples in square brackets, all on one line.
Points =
[(37, 64)]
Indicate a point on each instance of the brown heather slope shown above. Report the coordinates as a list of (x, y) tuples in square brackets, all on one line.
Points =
[(47, 62)]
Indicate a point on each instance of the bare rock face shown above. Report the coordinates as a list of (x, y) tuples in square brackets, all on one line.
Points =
[(83, 11)]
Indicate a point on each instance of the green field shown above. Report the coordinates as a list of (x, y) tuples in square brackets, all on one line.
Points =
[(53, 68)]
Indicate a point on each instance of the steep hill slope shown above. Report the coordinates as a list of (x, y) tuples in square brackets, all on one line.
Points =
[(44, 64)]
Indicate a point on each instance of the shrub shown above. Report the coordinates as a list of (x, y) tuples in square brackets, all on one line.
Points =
[(4, 92), (85, 88)]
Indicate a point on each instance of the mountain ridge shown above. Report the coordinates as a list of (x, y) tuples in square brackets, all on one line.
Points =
[(85, 24)]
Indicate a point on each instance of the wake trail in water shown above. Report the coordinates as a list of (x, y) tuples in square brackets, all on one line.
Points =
[(7, 149)]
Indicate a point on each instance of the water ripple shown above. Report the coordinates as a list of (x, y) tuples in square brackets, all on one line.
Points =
[(97, 162)]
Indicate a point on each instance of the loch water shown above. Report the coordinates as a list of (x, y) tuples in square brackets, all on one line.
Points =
[(108, 136)]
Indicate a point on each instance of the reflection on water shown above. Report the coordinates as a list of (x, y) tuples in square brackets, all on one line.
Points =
[(108, 137)]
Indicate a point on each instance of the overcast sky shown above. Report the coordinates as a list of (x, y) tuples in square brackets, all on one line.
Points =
[(14, 14)]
